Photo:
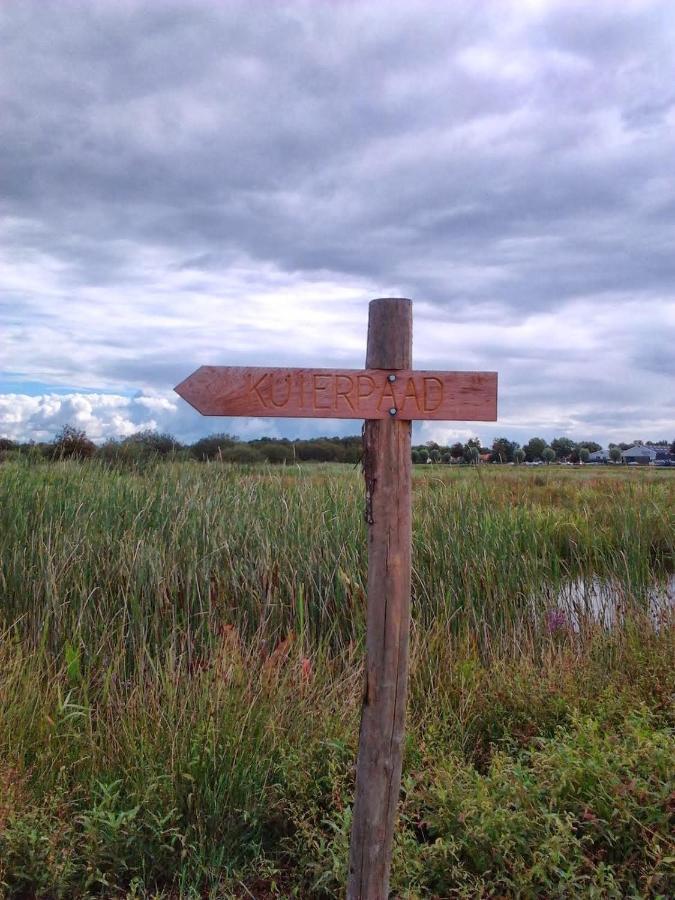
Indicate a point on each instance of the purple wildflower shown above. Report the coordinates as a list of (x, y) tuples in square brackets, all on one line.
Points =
[(556, 620)]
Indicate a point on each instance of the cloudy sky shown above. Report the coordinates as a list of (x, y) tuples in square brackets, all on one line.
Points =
[(231, 183)]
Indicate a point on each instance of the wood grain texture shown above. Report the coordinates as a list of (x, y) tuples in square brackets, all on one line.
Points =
[(389, 331), (387, 470), (346, 393)]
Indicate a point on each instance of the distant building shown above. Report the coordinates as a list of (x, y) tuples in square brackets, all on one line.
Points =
[(639, 454), (663, 457), (598, 456)]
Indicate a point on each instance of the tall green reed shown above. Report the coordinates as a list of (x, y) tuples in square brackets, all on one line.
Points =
[(163, 558)]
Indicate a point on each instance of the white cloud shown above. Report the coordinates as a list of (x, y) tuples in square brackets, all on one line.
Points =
[(38, 418)]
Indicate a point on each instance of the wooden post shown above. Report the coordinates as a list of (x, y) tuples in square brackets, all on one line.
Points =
[(387, 469), (388, 395)]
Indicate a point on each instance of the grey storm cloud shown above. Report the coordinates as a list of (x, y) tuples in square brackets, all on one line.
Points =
[(193, 182)]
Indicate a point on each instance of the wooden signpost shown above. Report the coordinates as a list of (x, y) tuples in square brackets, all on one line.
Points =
[(388, 394), (337, 393)]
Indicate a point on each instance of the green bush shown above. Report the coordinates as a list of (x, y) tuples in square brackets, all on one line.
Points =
[(72, 443), (120, 455), (276, 452), (242, 453), (587, 812), (212, 447), (153, 443)]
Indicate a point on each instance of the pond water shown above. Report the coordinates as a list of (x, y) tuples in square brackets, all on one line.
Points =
[(598, 600)]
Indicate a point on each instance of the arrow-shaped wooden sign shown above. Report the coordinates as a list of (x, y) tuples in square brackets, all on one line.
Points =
[(388, 394), (341, 393)]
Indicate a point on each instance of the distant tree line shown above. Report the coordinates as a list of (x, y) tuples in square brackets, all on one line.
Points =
[(151, 446), (502, 450)]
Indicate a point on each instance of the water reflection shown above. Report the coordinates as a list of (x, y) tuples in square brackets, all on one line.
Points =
[(602, 601)]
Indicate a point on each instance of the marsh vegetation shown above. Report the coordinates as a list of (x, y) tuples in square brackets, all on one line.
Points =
[(180, 681)]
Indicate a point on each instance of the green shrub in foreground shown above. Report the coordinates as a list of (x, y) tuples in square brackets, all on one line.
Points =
[(585, 813), (187, 783)]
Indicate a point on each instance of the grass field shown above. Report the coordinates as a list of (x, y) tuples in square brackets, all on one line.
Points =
[(180, 679)]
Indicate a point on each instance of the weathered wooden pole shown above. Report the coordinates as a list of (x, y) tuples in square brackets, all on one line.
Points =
[(387, 469), (387, 395)]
